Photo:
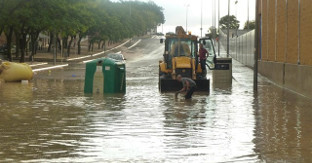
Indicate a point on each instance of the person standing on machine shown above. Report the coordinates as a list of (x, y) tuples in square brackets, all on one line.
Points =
[(203, 53)]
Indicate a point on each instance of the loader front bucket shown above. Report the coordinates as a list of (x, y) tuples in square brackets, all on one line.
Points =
[(170, 85), (203, 85)]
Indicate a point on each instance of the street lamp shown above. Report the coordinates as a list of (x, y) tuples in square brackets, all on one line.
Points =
[(257, 42), (213, 14), (187, 6), (236, 34), (228, 31), (201, 19), (219, 27), (248, 14)]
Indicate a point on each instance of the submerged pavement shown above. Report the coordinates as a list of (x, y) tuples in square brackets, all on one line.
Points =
[(52, 120)]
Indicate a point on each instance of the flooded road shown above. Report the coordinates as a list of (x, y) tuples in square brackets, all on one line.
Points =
[(51, 120)]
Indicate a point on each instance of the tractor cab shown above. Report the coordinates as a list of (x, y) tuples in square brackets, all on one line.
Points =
[(179, 54)]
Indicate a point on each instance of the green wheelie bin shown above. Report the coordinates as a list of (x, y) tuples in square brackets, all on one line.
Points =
[(105, 75)]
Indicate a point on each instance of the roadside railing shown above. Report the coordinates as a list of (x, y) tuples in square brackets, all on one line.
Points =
[(241, 47)]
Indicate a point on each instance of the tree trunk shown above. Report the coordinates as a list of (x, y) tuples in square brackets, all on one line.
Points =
[(9, 42), (103, 45), (17, 38), (79, 45), (34, 37), (27, 45), (55, 48), (23, 47), (74, 42), (65, 40), (99, 44), (69, 45), (59, 43), (33, 44), (89, 46), (37, 45), (50, 41), (92, 46)]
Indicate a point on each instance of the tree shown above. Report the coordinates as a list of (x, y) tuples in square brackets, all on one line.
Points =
[(10, 12), (234, 23), (100, 20), (252, 25)]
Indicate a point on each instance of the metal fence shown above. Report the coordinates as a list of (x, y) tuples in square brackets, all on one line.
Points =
[(241, 47)]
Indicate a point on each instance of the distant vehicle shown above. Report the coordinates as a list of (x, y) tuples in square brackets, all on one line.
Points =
[(117, 57), (160, 34)]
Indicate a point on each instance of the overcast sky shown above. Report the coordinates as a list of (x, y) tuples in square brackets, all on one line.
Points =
[(175, 13)]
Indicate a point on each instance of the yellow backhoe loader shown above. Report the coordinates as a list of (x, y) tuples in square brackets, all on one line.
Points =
[(181, 57)]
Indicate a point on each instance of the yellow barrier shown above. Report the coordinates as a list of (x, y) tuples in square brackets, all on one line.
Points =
[(10, 71)]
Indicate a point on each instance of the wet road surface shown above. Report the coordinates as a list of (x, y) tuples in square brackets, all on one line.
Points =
[(51, 120)]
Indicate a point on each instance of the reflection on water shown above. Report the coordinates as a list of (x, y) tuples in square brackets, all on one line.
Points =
[(51, 120), (283, 130), (16, 91)]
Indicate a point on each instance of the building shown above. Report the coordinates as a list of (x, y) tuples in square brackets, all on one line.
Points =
[(286, 43)]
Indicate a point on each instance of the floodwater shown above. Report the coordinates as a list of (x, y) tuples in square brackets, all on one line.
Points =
[(52, 120)]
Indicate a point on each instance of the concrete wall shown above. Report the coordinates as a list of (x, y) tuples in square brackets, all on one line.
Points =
[(299, 79), (272, 70), (292, 76)]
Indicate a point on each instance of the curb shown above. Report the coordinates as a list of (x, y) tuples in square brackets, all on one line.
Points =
[(39, 64), (83, 57), (135, 44), (73, 59), (93, 55), (49, 68)]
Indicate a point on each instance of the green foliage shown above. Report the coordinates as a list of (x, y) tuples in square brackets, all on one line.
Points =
[(234, 23), (99, 19), (252, 25)]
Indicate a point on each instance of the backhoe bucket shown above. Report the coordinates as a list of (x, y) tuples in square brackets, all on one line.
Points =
[(203, 85), (170, 85)]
